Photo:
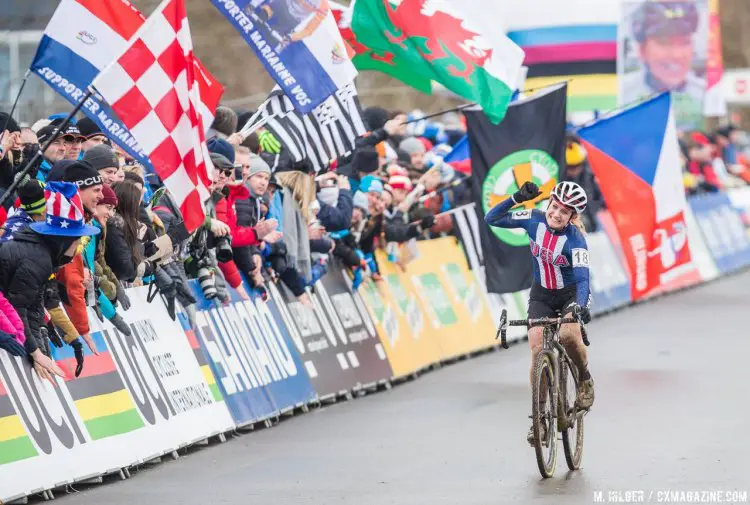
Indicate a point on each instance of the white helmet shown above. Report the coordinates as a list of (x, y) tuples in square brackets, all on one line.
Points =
[(571, 195)]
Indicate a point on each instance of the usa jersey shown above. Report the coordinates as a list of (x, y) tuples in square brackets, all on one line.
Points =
[(560, 258)]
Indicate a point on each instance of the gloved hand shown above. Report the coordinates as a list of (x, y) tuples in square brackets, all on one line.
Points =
[(582, 313), (528, 191), (268, 142), (122, 297), (78, 352), (427, 222), (119, 323), (98, 312), (149, 249), (54, 336), (44, 341), (10, 344)]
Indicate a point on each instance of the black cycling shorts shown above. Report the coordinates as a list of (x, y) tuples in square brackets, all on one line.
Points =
[(545, 302)]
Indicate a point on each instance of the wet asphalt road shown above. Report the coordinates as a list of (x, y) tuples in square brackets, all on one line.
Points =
[(672, 412)]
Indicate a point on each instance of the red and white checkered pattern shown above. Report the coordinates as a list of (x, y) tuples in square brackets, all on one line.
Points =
[(167, 100)]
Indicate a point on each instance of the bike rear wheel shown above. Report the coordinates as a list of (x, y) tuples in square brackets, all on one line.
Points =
[(571, 419), (543, 416)]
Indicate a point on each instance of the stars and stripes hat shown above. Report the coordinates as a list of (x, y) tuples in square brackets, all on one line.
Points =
[(64, 212)]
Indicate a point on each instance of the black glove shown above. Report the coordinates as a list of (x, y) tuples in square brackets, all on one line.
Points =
[(122, 297), (54, 336), (582, 313), (43, 343), (427, 222), (119, 323), (98, 312), (149, 249), (10, 344), (528, 191), (78, 352)]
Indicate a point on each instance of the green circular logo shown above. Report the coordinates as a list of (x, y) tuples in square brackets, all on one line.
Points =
[(508, 175)]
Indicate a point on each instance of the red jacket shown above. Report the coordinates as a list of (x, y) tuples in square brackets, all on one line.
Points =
[(707, 171), (242, 236), (225, 213)]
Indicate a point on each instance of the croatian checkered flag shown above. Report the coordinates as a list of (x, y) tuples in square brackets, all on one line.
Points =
[(167, 101), (324, 134)]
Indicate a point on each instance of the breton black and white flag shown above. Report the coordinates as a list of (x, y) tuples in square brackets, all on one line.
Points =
[(326, 133)]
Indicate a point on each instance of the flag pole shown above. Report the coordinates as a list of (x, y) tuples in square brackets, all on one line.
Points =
[(473, 104), (15, 102), (20, 177)]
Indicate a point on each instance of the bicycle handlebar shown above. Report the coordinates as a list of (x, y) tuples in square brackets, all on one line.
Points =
[(533, 323)]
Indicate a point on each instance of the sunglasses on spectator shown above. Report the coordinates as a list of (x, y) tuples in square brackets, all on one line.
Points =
[(70, 139), (227, 171)]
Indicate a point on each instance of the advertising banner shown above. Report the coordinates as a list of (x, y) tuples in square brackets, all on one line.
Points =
[(339, 346), (663, 46), (723, 230), (400, 321), (143, 396), (740, 198), (456, 313), (610, 286), (251, 352)]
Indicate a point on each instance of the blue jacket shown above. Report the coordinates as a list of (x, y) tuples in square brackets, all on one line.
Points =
[(338, 217)]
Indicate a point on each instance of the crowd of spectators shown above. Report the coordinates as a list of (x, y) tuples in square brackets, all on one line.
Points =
[(82, 221)]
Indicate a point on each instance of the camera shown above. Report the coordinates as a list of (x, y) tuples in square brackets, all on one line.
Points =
[(223, 249), (207, 281)]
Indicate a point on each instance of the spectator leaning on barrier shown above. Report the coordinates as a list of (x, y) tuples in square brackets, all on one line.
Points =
[(27, 262), (74, 279), (700, 162)]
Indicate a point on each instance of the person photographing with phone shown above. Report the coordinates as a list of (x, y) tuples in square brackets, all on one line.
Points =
[(560, 260)]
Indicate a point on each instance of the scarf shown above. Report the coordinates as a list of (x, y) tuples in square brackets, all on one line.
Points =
[(295, 235)]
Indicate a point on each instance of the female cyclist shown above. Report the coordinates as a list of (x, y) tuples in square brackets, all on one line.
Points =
[(561, 269)]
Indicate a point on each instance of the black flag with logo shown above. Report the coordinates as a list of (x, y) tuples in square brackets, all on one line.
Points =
[(529, 144)]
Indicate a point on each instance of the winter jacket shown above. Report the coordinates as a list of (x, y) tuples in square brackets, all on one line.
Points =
[(242, 236), (338, 217), (9, 321), (26, 263), (118, 254), (219, 210), (73, 293)]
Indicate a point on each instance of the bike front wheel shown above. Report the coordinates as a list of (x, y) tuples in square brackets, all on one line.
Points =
[(571, 419), (544, 423)]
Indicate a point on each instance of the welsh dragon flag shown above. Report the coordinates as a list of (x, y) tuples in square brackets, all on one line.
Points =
[(365, 58), (459, 44)]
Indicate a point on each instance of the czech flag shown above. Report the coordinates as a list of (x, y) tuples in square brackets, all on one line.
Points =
[(636, 159)]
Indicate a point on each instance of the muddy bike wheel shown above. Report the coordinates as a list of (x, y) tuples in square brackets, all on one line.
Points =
[(572, 420), (543, 416)]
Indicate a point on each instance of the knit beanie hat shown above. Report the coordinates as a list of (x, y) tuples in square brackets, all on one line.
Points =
[(412, 145), (89, 128), (400, 182), (101, 157), (360, 201), (31, 194), (371, 183), (82, 174), (10, 124), (110, 198), (221, 146), (258, 166)]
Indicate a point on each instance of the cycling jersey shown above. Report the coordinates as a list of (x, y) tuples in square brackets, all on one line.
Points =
[(560, 258)]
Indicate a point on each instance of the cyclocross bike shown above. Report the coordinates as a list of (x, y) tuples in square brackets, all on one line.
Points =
[(555, 378)]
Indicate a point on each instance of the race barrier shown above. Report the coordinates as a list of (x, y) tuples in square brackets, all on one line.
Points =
[(171, 384)]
